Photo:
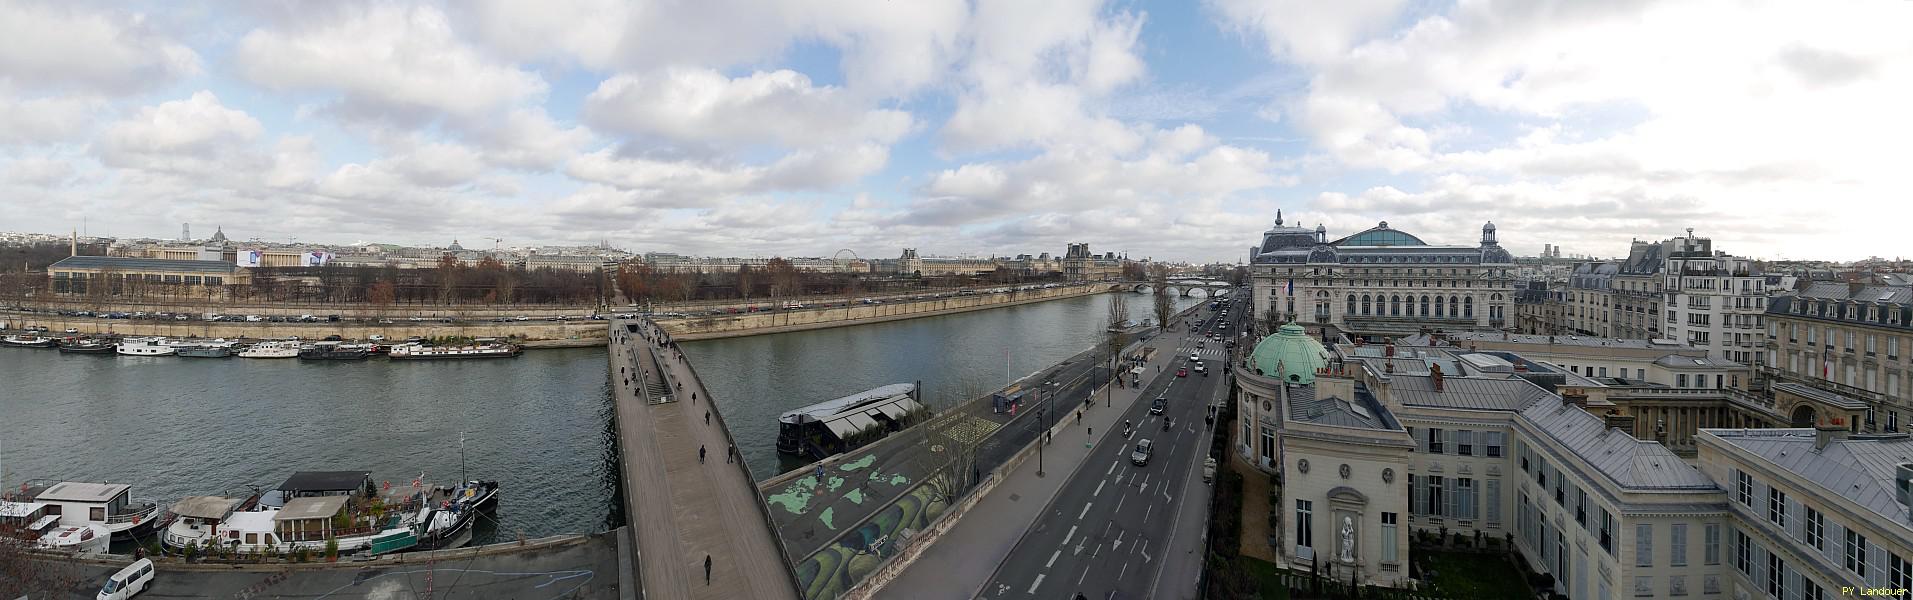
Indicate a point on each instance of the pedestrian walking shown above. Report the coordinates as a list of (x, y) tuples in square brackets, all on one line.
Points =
[(730, 455), (707, 417), (707, 569), (700, 454)]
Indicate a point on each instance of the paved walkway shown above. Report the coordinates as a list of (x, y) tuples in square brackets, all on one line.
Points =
[(964, 558), (685, 508)]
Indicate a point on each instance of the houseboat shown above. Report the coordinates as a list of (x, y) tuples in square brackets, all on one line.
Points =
[(146, 347), (214, 348), (825, 428), (312, 508), (477, 350), (108, 505), (28, 341), (271, 350), (334, 351), (87, 346)]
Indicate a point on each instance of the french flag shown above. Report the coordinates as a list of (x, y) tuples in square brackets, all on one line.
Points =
[(1290, 289)]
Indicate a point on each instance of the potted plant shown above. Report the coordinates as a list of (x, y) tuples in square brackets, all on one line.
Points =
[(332, 549)]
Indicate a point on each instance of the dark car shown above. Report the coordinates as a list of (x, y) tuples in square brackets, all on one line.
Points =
[(1159, 405), (1144, 448)]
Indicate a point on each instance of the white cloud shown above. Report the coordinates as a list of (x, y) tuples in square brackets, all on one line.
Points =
[(180, 135), (52, 120), (681, 183), (780, 107), (386, 61), (1307, 32), (69, 46)]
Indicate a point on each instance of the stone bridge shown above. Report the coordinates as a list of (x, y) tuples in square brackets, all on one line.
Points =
[(1182, 286)]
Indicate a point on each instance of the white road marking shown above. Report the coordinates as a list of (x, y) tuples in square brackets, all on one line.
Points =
[(1145, 550), (1145, 512), (1119, 575), (1039, 581), (1052, 558), (1086, 505), (1072, 535), (1119, 503), (1112, 466), (1099, 488), (1079, 578)]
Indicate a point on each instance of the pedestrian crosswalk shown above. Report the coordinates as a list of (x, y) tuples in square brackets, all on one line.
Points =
[(1213, 351)]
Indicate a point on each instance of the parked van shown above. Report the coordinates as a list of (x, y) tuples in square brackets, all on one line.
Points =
[(133, 579)]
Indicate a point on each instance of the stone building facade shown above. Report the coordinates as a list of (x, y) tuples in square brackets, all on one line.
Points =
[(1847, 349)]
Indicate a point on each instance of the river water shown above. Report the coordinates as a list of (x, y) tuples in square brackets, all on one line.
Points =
[(539, 424)]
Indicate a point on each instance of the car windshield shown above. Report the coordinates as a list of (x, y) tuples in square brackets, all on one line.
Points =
[(112, 585), (1142, 447)]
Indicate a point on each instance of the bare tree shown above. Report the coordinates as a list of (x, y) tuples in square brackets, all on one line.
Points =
[(1159, 290), (24, 574)]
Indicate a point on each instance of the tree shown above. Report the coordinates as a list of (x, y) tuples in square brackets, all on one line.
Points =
[(785, 281), (746, 281), (1159, 289), (449, 273), (381, 294)]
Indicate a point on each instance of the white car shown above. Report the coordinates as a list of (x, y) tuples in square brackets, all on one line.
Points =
[(1194, 358), (133, 579)]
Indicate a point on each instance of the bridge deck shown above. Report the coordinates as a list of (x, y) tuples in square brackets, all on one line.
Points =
[(682, 509)]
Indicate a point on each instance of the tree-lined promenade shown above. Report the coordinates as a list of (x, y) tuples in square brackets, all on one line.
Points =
[(489, 282)]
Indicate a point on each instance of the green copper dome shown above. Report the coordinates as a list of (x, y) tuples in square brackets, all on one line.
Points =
[(1290, 355)]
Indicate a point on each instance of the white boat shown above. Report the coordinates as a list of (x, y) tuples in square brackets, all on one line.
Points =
[(271, 350), (146, 347), (307, 512), (420, 352), (109, 506), (31, 522)]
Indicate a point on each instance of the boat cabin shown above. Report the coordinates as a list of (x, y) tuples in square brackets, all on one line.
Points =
[(26, 520), (820, 430), (199, 519), (90, 503), (314, 484), (313, 518)]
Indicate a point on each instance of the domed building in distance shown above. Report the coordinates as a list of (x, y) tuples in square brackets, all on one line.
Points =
[(1379, 283)]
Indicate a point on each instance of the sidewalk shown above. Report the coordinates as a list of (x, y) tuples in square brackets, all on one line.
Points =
[(970, 551)]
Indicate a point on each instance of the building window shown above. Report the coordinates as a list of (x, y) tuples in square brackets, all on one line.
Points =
[(1677, 546), (1351, 304), (1710, 544), (1436, 501), (1644, 545), (1388, 536), (1434, 441), (1468, 306), (1744, 488), (1464, 498), (1465, 443), (1856, 554), (1607, 530), (1365, 304), (1743, 553), (1581, 507), (1304, 525), (1777, 507), (1268, 446), (1494, 502), (1816, 529), (1494, 444), (1899, 573), (1680, 381), (1811, 590), (1775, 567)]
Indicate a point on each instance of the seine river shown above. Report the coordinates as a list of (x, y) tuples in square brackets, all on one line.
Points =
[(539, 424)]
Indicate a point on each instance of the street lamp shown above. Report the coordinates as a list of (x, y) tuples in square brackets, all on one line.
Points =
[(1039, 439)]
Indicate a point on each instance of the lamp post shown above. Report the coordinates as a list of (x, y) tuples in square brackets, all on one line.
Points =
[(1040, 411)]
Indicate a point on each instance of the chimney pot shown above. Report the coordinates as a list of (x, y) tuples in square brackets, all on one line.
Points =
[(1434, 372)]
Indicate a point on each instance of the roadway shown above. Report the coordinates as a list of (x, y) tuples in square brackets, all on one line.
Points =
[(1117, 520)]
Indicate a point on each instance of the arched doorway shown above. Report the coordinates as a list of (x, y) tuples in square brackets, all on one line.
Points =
[(1803, 416)]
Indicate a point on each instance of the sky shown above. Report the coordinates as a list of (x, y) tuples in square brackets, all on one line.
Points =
[(1173, 130)]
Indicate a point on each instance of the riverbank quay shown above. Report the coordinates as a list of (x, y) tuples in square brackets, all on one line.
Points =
[(724, 324), (574, 332), (568, 566), (687, 510), (856, 520)]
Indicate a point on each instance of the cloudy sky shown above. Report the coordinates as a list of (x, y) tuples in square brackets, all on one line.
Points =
[(762, 127)]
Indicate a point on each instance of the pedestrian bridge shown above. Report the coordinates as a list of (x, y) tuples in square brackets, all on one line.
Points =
[(1183, 286), (701, 528)]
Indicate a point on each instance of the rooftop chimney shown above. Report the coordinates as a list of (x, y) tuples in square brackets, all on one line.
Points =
[(1853, 287), (1388, 367), (1434, 372), (1389, 351), (1903, 485), (1830, 430)]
